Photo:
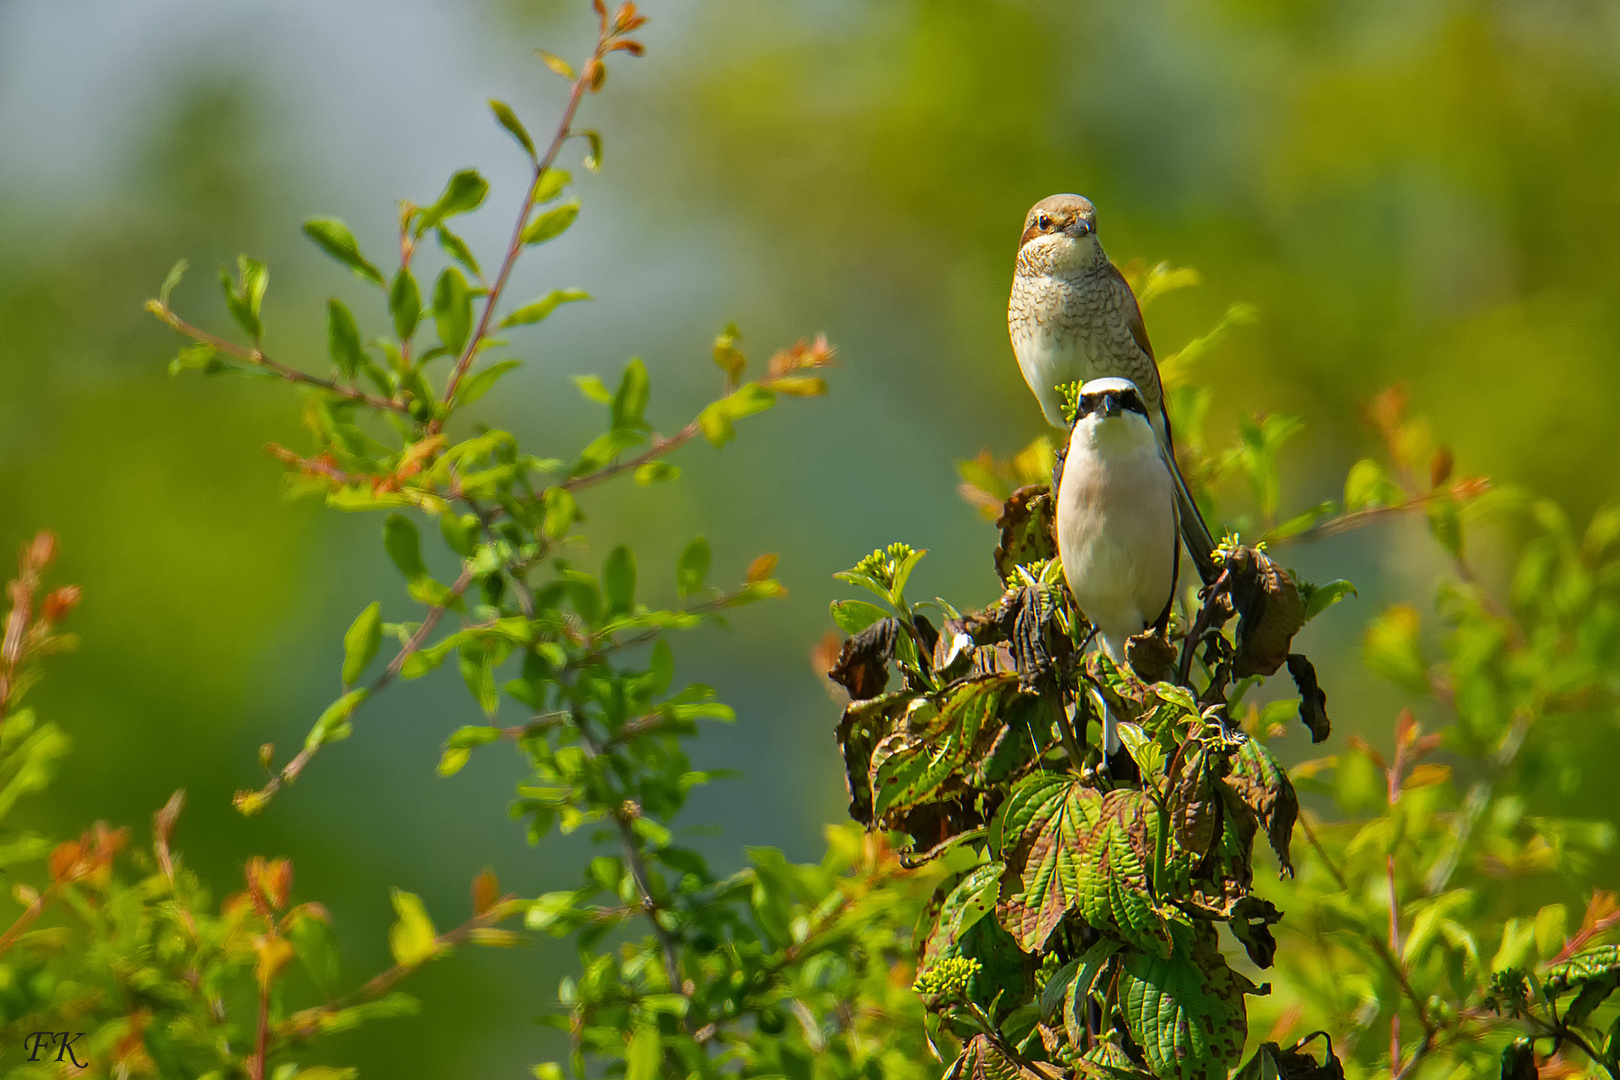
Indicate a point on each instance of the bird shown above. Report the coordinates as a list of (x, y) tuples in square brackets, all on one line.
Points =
[(1117, 523), (1073, 318)]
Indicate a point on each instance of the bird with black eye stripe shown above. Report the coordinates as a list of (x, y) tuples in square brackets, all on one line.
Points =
[(1117, 527), (1073, 318)]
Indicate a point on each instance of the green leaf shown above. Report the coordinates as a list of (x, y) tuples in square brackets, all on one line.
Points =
[(644, 1055), (1188, 1018), (245, 294), (853, 616), (1318, 598), (460, 532), (405, 304), (343, 338), (337, 241), (1301, 522), (552, 223), (452, 310), (514, 127), (593, 160), (594, 389), (693, 567), (561, 512), (657, 472), (176, 272), (630, 403), (465, 191), (198, 356), (1369, 485), (455, 247), (551, 184), (619, 581), (361, 642), (412, 938), (1392, 650), (333, 724), (404, 546), (539, 309), (476, 386)]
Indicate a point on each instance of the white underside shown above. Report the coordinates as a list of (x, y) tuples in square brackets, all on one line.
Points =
[(1117, 531)]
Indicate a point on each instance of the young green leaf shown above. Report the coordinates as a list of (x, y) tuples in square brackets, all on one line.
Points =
[(539, 309), (455, 247), (853, 616), (412, 938), (551, 223), (657, 472), (514, 127), (630, 403), (177, 272), (404, 546), (594, 389), (693, 568), (550, 185), (343, 338), (476, 386), (452, 310), (337, 241), (405, 304), (465, 192), (561, 511), (619, 581), (361, 642)]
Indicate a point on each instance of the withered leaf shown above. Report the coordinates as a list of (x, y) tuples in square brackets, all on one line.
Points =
[(862, 667), (1270, 611), (1260, 783), (1312, 698), (1027, 530)]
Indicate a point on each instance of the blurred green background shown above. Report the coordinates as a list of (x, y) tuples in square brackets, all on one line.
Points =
[(1421, 190)]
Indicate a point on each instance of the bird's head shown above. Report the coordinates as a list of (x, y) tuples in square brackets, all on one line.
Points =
[(1061, 230), (1103, 399)]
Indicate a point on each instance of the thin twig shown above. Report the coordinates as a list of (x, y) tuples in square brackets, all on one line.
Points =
[(290, 771), (515, 247), (291, 374), (1379, 945), (660, 446)]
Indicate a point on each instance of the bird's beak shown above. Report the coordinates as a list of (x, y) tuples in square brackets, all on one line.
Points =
[(1079, 227), (1108, 406)]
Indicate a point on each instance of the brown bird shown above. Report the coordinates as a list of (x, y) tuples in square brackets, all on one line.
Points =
[(1073, 319)]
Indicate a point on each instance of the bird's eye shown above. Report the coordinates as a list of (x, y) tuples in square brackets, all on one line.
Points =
[(1044, 221)]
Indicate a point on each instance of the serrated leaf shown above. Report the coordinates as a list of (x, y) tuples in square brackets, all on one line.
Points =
[(337, 241), (1188, 1017), (361, 642)]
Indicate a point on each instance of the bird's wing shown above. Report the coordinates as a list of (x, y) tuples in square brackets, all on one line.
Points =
[(1176, 488), (1199, 541)]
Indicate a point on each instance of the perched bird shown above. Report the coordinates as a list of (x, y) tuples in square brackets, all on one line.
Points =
[(1117, 521), (1073, 318)]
